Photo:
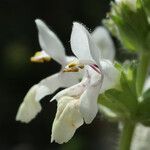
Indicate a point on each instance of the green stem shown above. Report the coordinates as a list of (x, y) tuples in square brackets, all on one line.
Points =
[(126, 136), (142, 72)]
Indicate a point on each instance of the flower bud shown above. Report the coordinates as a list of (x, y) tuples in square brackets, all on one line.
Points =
[(128, 21)]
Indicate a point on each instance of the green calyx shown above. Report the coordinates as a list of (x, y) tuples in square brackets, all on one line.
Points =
[(122, 101)]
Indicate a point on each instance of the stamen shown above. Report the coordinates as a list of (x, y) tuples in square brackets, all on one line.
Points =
[(73, 67), (40, 57)]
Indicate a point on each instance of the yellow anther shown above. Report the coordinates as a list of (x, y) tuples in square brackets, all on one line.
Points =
[(40, 57), (73, 67), (81, 66), (72, 64)]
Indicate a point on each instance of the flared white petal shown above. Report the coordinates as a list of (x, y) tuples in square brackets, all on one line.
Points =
[(29, 108), (50, 43), (56, 81), (88, 100), (41, 92), (67, 120), (83, 45), (111, 75), (104, 41), (73, 91), (88, 104)]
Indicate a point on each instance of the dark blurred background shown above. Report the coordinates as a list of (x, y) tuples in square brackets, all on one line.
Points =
[(18, 42)]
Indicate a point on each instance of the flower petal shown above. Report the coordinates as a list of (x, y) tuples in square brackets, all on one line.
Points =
[(82, 44), (73, 91), (29, 107), (88, 100), (111, 75), (56, 81), (67, 120), (88, 103), (50, 43), (103, 40)]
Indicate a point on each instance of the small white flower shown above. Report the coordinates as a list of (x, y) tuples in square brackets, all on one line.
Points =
[(76, 105), (51, 48), (81, 99)]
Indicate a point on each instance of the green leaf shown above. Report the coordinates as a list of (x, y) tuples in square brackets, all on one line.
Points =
[(123, 101)]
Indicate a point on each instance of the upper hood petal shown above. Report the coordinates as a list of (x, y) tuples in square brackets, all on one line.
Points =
[(111, 75), (104, 41), (50, 43), (83, 45)]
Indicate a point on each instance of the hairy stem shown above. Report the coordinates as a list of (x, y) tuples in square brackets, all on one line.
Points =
[(142, 72)]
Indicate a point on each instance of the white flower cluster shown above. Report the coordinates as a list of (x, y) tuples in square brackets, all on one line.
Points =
[(90, 73)]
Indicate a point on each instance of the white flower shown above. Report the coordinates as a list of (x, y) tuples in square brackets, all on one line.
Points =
[(79, 102), (51, 47)]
